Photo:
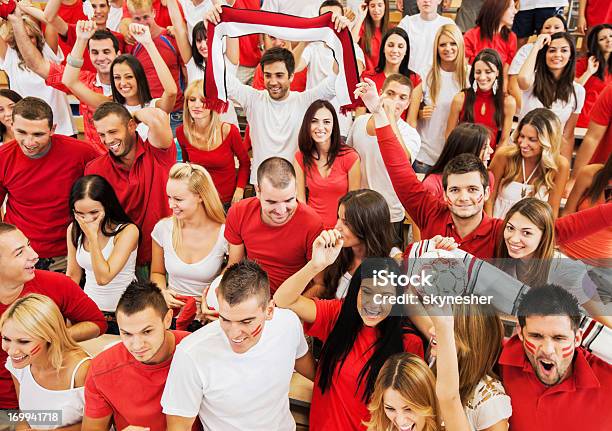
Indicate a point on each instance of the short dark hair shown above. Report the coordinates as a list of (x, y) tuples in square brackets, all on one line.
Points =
[(273, 55), (399, 78), (108, 108), (142, 294), (549, 300), (463, 164), (277, 170), (331, 3), (243, 280), (105, 34), (6, 227), (33, 108)]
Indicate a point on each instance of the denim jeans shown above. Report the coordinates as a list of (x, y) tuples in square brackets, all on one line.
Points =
[(176, 119), (420, 167)]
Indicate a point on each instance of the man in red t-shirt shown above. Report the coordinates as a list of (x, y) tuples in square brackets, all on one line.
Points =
[(67, 31), (37, 170), (273, 228), (125, 382), (137, 169), (554, 383), (18, 278)]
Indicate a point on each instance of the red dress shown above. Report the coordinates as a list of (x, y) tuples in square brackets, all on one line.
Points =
[(594, 86), (484, 113)]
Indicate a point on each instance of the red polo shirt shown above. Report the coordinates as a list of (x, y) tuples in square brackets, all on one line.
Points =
[(580, 402), (141, 189), (434, 218), (601, 114), (90, 79)]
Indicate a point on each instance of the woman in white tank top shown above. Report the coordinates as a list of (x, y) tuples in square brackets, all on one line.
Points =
[(102, 241), (48, 367), (189, 248), (531, 167)]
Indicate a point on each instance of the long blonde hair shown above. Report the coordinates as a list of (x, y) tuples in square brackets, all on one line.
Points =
[(213, 131), (411, 377), (199, 183), (32, 27), (550, 136), (434, 77), (39, 317)]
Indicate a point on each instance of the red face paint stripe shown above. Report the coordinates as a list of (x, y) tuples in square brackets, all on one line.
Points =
[(531, 347), (257, 330), (480, 198), (35, 350), (567, 351)]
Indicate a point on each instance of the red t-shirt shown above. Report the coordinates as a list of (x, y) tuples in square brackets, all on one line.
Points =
[(602, 115), (38, 190), (324, 193), (580, 402), (70, 14), (281, 251), (434, 218), (219, 162), (298, 83), (371, 60), (250, 54), (74, 304), (109, 388), (70, 39), (162, 16), (341, 407), (141, 190), (474, 43), (598, 12), (90, 79), (488, 118), (166, 45), (594, 87)]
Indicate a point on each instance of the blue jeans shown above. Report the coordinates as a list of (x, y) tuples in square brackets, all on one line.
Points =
[(420, 167), (176, 119)]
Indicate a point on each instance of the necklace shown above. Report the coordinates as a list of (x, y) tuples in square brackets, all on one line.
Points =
[(526, 181)]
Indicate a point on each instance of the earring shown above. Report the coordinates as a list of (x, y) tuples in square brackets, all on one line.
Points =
[(495, 86), (474, 86)]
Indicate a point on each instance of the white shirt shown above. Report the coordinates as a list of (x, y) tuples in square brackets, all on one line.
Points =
[(194, 14), (374, 174), (232, 391), (539, 4), (274, 125), (115, 15), (189, 278), (563, 110), (142, 129), (421, 34), (519, 59), (488, 405), (304, 8), (27, 83), (432, 130)]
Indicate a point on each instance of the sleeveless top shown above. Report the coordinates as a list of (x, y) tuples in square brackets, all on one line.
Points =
[(106, 297), (488, 405), (32, 396), (515, 191)]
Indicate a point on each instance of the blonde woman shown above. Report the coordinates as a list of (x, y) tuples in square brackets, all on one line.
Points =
[(47, 366), (189, 247), (213, 144), (533, 167), (447, 77)]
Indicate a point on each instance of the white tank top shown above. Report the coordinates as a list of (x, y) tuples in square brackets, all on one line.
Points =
[(32, 396), (106, 297)]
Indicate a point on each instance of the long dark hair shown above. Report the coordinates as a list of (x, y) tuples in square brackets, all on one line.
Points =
[(600, 182), (307, 145), (370, 28), (465, 138), (492, 58), (144, 94), (367, 215), (548, 89), (342, 338), (594, 50), (197, 34), (97, 189), (489, 18), (12, 96), (382, 60)]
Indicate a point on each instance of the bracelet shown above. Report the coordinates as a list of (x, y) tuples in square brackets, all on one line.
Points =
[(74, 62)]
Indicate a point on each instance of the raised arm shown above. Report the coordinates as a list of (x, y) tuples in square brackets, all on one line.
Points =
[(142, 35), (325, 251), (581, 224), (158, 121), (74, 62), (180, 30), (51, 16), (360, 16), (32, 56), (526, 75)]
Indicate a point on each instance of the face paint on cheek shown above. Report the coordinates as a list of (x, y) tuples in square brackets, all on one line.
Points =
[(480, 198), (529, 346), (35, 350), (257, 330), (567, 351)]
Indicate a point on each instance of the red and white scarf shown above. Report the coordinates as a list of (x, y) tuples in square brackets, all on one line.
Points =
[(241, 22)]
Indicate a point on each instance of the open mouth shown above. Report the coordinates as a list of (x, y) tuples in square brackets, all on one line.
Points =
[(547, 366), (407, 427)]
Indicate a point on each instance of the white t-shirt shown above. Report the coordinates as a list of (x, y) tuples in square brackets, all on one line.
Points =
[(194, 14), (115, 15), (519, 59), (142, 129), (304, 8), (421, 34), (274, 125), (374, 174), (432, 130), (489, 405), (563, 110), (539, 4), (189, 278), (231, 391), (27, 83)]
